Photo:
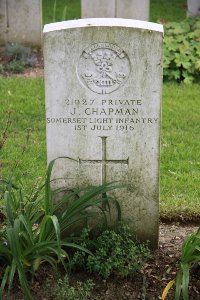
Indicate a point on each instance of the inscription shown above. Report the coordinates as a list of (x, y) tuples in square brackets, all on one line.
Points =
[(103, 68), (84, 115), (107, 112)]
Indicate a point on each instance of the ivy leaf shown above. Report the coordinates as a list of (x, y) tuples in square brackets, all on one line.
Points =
[(187, 78), (197, 65), (182, 50)]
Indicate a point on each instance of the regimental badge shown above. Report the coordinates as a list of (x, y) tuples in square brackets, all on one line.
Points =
[(103, 68)]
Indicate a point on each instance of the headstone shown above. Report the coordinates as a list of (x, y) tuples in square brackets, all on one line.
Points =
[(193, 8), (98, 8), (21, 22), (133, 9), (128, 9), (103, 80), (3, 21)]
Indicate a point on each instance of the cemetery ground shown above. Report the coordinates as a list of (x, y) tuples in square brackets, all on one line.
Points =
[(23, 156), (23, 118)]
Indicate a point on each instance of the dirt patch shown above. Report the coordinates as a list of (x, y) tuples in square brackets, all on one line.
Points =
[(146, 285), (32, 72)]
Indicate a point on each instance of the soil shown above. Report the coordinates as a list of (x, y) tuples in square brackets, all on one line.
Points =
[(146, 285)]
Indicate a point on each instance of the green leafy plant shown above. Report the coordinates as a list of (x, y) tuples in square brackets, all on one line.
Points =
[(18, 57), (35, 228), (182, 51), (15, 66), (25, 54), (115, 252), (189, 257), (81, 291)]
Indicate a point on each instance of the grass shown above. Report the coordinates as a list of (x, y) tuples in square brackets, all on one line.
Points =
[(170, 10), (163, 10), (180, 163), (73, 10), (25, 99)]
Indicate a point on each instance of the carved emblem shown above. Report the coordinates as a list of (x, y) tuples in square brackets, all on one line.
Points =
[(103, 68)]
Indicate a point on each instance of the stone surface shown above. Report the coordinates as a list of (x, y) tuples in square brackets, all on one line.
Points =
[(98, 8), (3, 21), (103, 81), (21, 22), (129, 9), (193, 8), (133, 9)]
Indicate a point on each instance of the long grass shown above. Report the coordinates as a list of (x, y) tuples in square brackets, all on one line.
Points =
[(180, 143)]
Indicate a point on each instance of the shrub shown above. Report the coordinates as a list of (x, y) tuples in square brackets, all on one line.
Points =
[(115, 252), (15, 66), (81, 291), (17, 58), (17, 52), (182, 51)]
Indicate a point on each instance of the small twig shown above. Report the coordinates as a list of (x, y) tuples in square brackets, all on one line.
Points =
[(144, 288)]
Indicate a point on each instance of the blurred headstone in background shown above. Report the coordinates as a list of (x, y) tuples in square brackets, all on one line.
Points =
[(128, 9), (98, 9), (133, 9), (193, 8), (21, 22)]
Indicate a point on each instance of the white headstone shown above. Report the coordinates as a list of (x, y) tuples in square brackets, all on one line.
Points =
[(21, 22), (193, 8), (128, 9), (103, 80), (133, 9), (98, 8)]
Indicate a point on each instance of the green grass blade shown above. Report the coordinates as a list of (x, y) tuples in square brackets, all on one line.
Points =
[(9, 211), (17, 256), (4, 281), (28, 228), (11, 275), (185, 281), (178, 285), (56, 225)]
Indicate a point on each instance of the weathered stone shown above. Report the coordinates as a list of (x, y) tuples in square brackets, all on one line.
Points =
[(21, 22), (3, 24), (98, 8), (129, 9), (133, 9), (103, 81), (193, 8)]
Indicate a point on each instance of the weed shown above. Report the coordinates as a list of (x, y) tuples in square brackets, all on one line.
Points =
[(81, 291), (4, 133), (115, 252), (18, 58), (19, 53), (15, 67)]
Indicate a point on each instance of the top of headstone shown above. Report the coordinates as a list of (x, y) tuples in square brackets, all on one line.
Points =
[(107, 22)]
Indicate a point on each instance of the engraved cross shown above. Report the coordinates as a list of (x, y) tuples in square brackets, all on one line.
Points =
[(104, 161)]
